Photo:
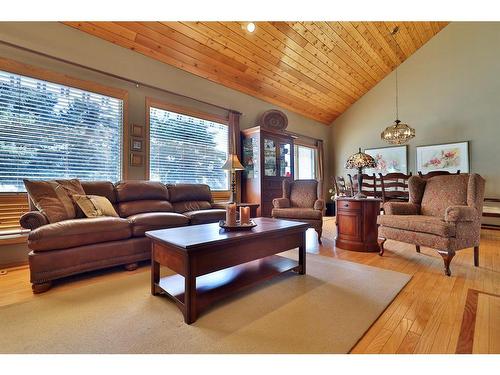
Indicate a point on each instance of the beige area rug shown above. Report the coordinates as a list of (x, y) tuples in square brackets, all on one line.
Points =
[(326, 311)]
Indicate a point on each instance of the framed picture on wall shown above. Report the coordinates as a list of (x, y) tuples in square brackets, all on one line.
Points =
[(449, 157), (392, 159), (136, 144), (137, 130)]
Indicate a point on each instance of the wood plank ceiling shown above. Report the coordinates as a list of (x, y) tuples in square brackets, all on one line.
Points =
[(316, 69)]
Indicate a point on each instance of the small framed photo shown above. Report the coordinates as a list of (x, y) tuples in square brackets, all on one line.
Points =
[(136, 160), (136, 144), (450, 157), (137, 130)]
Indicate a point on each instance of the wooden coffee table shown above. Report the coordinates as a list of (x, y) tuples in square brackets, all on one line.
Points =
[(212, 264)]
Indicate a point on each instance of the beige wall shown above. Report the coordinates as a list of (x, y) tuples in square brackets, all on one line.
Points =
[(67, 43), (449, 91)]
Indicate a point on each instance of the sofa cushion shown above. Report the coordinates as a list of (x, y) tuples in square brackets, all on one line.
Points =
[(141, 223), (419, 223), (101, 188), (126, 209), (78, 232), (134, 190), (186, 206), (442, 192), (95, 205), (189, 192), (212, 215), (53, 198), (297, 213)]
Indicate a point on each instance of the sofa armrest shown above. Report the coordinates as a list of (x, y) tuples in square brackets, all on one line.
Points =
[(32, 220), (319, 204), (460, 213), (220, 205), (281, 203), (401, 208)]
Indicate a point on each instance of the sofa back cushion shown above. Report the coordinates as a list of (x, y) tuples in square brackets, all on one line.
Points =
[(442, 192), (190, 197), (135, 197), (101, 188), (53, 198)]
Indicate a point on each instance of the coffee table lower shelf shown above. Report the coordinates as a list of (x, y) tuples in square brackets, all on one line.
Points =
[(218, 285)]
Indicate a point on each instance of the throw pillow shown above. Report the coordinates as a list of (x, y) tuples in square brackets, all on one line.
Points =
[(95, 205), (53, 198)]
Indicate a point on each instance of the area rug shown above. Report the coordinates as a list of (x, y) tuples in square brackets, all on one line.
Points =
[(326, 311)]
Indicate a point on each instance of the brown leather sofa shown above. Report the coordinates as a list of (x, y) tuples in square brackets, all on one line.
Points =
[(79, 245)]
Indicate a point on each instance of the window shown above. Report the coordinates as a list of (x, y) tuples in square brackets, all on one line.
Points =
[(187, 149), (305, 162), (51, 131)]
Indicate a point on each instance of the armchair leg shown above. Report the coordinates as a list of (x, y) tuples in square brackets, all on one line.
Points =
[(381, 246), (447, 257), (417, 247), (319, 231), (476, 256)]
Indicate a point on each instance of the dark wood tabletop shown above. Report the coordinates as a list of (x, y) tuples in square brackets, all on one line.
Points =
[(195, 236)]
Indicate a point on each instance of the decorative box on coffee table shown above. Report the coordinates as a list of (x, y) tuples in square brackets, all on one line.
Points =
[(356, 221)]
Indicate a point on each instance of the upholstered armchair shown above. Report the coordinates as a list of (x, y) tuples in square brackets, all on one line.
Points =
[(443, 213), (301, 201)]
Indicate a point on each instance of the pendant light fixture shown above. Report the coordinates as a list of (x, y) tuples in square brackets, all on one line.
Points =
[(399, 133)]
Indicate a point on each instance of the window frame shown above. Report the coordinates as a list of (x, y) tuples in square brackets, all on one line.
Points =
[(218, 195), (31, 71), (298, 144)]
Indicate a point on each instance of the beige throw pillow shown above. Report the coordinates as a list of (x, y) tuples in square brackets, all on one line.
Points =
[(95, 205), (53, 198)]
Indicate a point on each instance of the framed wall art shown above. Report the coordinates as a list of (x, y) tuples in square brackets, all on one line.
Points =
[(392, 159), (137, 130), (136, 144), (449, 157), (136, 160)]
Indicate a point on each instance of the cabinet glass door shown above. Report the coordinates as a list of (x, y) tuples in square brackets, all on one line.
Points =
[(269, 157), (285, 161)]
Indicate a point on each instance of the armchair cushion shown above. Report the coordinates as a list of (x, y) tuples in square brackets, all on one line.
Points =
[(401, 208), (460, 213), (418, 223), (303, 193), (297, 213), (319, 204), (281, 203), (442, 192)]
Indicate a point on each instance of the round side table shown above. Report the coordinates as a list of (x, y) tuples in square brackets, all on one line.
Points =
[(356, 221)]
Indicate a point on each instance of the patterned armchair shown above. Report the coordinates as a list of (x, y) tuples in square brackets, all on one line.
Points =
[(301, 201), (444, 213)]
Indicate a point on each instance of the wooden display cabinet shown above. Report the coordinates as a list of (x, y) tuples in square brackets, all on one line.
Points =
[(268, 159)]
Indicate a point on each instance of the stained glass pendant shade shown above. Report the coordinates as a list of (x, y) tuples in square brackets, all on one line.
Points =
[(399, 133)]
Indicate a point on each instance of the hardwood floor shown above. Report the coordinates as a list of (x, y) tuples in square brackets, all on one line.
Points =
[(426, 317)]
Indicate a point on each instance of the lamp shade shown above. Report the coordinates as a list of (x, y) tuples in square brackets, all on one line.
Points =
[(398, 133), (232, 163), (360, 160)]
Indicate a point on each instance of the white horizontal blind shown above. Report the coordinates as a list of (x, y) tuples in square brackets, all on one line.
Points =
[(52, 131), (185, 149)]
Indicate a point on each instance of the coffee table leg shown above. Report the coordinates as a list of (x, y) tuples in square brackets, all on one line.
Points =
[(302, 256), (189, 299), (155, 276)]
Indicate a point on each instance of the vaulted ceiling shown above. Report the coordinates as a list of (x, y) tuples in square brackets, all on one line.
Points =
[(316, 69)]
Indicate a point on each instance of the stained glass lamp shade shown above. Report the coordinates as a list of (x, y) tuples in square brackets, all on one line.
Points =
[(358, 161)]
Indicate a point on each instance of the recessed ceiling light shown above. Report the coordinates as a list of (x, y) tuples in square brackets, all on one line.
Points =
[(250, 27)]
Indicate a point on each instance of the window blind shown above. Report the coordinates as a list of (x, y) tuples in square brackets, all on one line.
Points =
[(51, 131), (185, 149)]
